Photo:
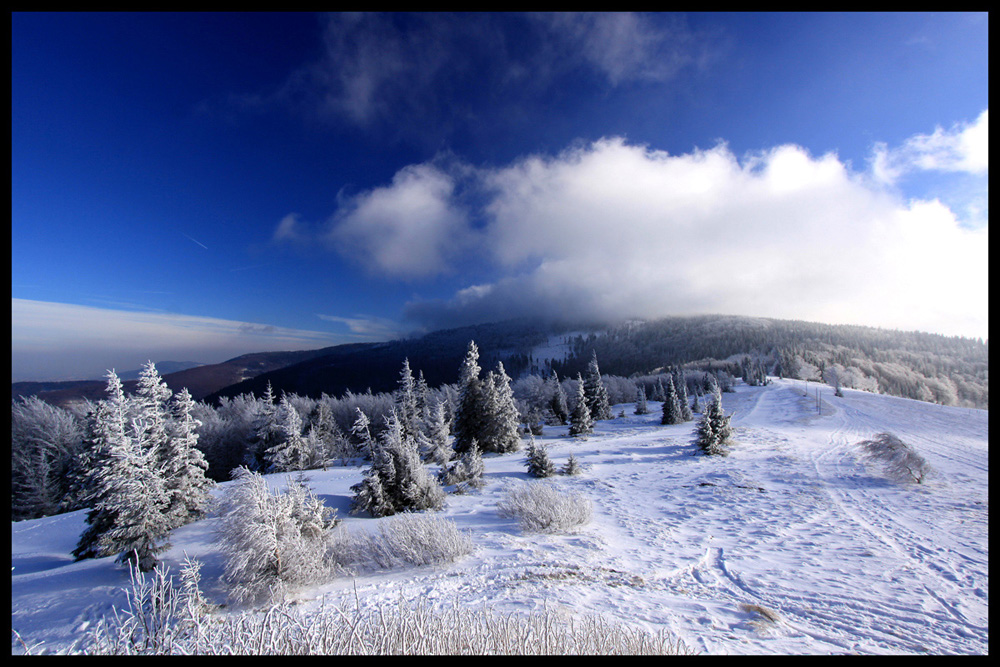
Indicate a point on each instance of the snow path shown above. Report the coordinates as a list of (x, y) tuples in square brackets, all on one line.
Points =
[(844, 560)]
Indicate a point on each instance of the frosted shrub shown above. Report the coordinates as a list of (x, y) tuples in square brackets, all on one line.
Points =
[(411, 539), (898, 459), (393, 629), (273, 541), (540, 507)]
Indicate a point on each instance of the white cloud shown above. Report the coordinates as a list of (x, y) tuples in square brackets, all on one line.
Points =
[(409, 229), (613, 230), (367, 327), (289, 229), (64, 341), (963, 148)]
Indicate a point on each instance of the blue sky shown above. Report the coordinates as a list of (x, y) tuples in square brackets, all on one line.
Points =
[(198, 186)]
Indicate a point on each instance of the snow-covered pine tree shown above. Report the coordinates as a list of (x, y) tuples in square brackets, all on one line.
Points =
[(466, 471), (405, 401), (558, 404), (108, 429), (361, 430), (438, 449), (185, 481), (596, 393), (403, 482), (501, 429), (682, 397), (671, 405), (572, 466), (713, 430), (580, 422), (537, 460), (640, 402), (151, 407), (134, 491), (696, 406), (267, 431), (470, 418), (289, 451)]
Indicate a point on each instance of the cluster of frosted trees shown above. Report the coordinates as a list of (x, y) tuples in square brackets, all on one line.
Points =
[(143, 474)]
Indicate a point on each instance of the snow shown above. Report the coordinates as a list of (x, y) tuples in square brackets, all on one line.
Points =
[(791, 520)]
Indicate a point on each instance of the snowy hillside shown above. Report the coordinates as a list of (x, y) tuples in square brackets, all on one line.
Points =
[(837, 558)]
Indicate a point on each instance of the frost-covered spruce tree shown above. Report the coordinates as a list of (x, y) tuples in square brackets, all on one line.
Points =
[(682, 398), (671, 405), (466, 471), (596, 393), (186, 484), (713, 430), (640, 402), (470, 418), (267, 431), (571, 467), (397, 480), (134, 490), (580, 421), (558, 403), (696, 407), (537, 460), (500, 432), (361, 430), (405, 401), (151, 407), (437, 448), (108, 429), (289, 452)]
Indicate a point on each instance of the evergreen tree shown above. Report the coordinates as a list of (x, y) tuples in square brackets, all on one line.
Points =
[(558, 404), (572, 466), (186, 485), (682, 398), (500, 430), (406, 403), (671, 405), (134, 492), (362, 433), (470, 419), (537, 460), (713, 430), (696, 407), (596, 393), (467, 471), (108, 430), (267, 432), (126, 490), (580, 421), (397, 480), (437, 448), (290, 450), (640, 402)]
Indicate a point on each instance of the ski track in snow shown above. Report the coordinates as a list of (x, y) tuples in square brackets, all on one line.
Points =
[(845, 560)]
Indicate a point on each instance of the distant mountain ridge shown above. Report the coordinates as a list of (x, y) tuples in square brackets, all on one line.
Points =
[(929, 367)]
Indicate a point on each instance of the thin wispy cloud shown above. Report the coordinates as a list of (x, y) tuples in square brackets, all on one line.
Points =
[(402, 72), (47, 338)]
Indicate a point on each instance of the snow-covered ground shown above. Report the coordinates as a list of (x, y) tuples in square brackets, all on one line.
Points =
[(792, 521)]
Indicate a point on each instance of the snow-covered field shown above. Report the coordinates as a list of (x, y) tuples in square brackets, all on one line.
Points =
[(845, 560)]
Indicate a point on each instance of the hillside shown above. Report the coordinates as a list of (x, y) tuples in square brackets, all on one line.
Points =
[(841, 559)]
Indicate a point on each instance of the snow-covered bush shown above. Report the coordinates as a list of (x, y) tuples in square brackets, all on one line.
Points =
[(898, 459), (273, 541), (540, 507), (411, 539)]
